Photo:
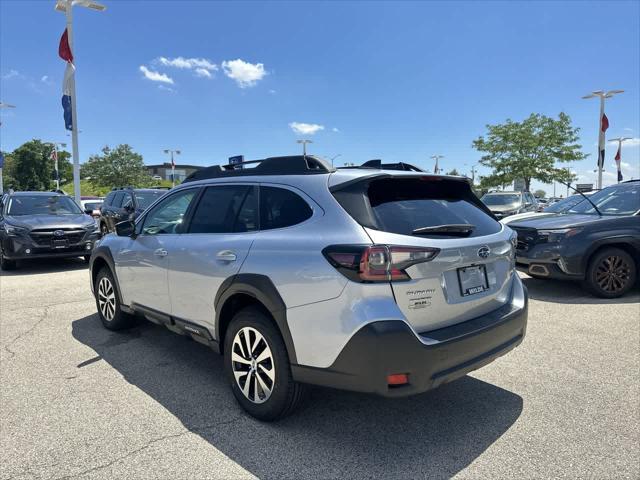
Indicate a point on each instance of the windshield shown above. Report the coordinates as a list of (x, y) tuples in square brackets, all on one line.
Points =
[(500, 199), (148, 197), (42, 205), (617, 200), (565, 204)]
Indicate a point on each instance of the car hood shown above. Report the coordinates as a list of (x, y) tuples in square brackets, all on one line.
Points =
[(559, 221), (522, 216), (504, 208), (49, 221)]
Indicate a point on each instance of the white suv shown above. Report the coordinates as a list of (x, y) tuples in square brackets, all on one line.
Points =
[(367, 279)]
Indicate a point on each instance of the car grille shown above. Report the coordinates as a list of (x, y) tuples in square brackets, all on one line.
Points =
[(527, 237), (45, 237)]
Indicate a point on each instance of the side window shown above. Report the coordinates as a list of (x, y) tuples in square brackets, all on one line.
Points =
[(281, 208), (127, 200), (168, 215), (117, 200), (225, 209)]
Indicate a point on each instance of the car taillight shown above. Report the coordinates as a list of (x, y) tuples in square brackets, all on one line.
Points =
[(377, 263)]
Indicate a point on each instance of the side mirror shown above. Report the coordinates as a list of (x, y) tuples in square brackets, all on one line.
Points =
[(126, 228)]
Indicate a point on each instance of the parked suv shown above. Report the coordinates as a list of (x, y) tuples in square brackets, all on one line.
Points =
[(126, 203), (502, 204), (43, 224), (380, 281), (596, 241)]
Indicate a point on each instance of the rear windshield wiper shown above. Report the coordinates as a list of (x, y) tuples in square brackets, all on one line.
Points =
[(461, 229)]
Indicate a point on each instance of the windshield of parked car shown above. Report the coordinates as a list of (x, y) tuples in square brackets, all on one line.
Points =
[(500, 199), (565, 204), (147, 198), (616, 200), (42, 205)]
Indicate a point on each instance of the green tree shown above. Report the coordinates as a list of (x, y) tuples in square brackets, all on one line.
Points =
[(118, 167), (30, 167), (529, 149), (453, 172), (540, 193)]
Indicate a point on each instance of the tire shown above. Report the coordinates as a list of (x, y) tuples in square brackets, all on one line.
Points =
[(108, 302), (611, 273), (249, 389), (6, 264)]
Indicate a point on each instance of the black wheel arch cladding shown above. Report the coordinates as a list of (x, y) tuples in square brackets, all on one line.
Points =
[(262, 289)]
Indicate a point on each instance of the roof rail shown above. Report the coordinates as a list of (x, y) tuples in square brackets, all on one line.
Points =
[(377, 164), (292, 165)]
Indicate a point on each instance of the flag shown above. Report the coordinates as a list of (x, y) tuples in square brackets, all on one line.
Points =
[(64, 50), (617, 158), (604, 124), (66, 106)]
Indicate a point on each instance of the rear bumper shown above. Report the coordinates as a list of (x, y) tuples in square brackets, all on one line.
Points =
[(430, 359)]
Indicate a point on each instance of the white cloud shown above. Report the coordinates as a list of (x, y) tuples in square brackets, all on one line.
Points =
[(334, 129), (272, 92), (634, 142), (165, 88), (627, 129), (45, 79), (12, 74), (245, 74), (305, 128), (155, 76), (203, 73), (187, 63)]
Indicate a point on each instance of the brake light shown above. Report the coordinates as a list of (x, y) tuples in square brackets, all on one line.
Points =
[(377, 263)]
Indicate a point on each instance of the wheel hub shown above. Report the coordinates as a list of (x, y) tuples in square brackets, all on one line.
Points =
[(253, 365)]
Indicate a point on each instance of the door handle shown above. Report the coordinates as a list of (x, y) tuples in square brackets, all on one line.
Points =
[(160, 252), (226, 256)]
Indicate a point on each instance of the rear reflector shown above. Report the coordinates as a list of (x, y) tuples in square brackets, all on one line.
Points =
[(398, 379)]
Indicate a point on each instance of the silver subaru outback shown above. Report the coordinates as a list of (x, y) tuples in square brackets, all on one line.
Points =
[(372, 279)]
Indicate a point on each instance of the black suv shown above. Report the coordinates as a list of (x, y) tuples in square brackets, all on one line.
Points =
[(597, 241), (126, 203), (43, 224)]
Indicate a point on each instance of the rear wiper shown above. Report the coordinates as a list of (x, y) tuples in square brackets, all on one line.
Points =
[(462, 229)]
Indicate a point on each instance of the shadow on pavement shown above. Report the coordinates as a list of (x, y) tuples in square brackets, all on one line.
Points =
[(45, 265), (337, 434), (558, 291)]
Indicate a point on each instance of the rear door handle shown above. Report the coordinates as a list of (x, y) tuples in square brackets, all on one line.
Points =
[(160, 252), (226, 256)]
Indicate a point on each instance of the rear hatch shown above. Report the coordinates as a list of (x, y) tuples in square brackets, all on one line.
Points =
[(471, 273)]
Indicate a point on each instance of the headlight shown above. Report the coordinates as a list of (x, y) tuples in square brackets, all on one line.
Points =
[(12, 230), (92, 227), (554, 236)]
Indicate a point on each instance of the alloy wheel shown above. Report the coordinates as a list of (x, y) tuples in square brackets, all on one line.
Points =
[(253, 365), (613, 274), (106, 299)]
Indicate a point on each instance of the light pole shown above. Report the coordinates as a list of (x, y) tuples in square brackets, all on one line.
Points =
[(618, 158), (602, 95), (304, 146), (3, 105), (334, 157), (55, 159), (66, 6), (473, 173), (436, 158), (173, 166)]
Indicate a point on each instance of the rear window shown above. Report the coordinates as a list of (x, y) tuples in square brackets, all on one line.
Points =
[(146, 198), (404, 205)]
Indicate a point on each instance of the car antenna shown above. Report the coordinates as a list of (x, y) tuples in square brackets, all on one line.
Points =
[(568, 185)]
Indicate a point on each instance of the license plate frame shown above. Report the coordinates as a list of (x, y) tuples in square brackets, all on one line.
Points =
[(62, 243), (473, 280)]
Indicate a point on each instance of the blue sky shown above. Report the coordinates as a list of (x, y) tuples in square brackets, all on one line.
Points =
[(398, 81)]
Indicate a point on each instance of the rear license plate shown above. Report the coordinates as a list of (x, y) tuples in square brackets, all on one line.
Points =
[(60, 244), (473, 280)]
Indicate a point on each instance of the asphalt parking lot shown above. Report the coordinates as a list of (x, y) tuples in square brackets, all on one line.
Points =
[(78, 401)]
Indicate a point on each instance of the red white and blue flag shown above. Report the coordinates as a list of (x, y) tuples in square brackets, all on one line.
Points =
[(604, 124), (64, 50), (618, 158)]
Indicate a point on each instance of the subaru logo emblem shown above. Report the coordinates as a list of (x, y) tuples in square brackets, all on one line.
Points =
[(58, 233), (483, 252)]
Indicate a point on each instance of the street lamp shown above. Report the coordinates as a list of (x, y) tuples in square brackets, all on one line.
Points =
[(66, 6), (173, 165), (55, 146), (602, 95), (473, 172), (304, 146), (436, 158), (620, 141), (334, 157), (3, 105)]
